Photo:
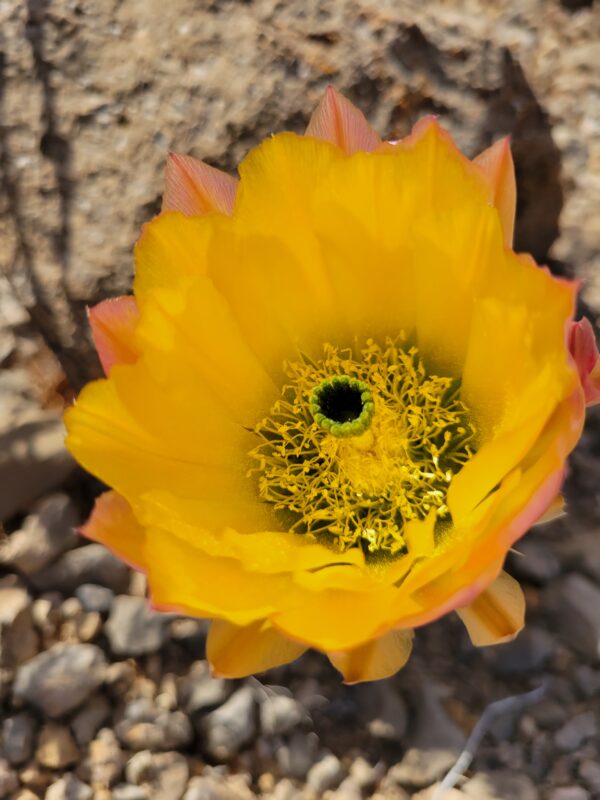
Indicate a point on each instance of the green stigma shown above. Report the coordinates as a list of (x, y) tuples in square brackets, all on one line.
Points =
[(342, 406)]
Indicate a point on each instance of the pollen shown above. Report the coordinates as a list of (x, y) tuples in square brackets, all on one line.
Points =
[(360, 443)]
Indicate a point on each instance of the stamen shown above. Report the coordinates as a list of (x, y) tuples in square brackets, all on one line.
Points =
[(357, 447), (342, 406)]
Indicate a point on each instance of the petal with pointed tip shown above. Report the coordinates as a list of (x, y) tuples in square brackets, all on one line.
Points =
[(497, 614), (113, 323), (376, 659), (583, 348), (113, 523), (498, 167), (338, 121), (234, 651), (194, 188)]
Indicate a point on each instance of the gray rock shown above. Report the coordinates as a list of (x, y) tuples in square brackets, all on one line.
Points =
[(9, 781), (548, 713), (45, 534), (18, 733), (576, 731), (92, 563), (18, 639), (60, 679), (165, 775), (534, 561), (69, 787), (95, 598), (86, 723), (589, 772), (577, 604), (587, 681), (199, 691), (280, 714), (231, 726), (167, 731), (382, 709), (297, 756), (529, 652), (569, 793), (133, 628), (325, 774)]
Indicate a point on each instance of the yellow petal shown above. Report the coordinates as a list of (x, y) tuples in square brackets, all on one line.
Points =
[(234, 651), (112, 522), (338, 121), (195, 188), (376, 659), (497, 615), (496, 163)]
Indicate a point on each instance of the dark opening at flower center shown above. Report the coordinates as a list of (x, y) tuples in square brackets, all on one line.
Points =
[(342, 406)]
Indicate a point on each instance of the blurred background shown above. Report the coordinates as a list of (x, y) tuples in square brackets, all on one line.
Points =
[(101, 698)]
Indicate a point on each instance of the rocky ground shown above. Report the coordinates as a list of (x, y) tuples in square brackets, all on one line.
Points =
[(102, 698)]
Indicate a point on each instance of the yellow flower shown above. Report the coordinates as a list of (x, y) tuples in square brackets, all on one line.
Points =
[(336, 399)]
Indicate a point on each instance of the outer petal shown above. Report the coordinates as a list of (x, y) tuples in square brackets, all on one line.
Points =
[(497, 615), (374, 660), (195, 188), (113, 323), (113, 523), (583, 348), (498, 167), (234, 652), (338, 121)]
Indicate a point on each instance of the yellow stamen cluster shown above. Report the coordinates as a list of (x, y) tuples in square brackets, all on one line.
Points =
[(357, 487)]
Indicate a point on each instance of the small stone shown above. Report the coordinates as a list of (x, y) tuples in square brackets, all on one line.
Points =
[(95, 598), (548, 714), (167, 731), (589, 772), (45, 534), (124, 791), (119, 677), (500, 785), (325, 774), (18, 733), (535, 561), (92, 563), (60, 679), (347, 790), (569, 793), (133, 628), (69, 788), (382, 709), (88, 627), (18, 638), (280, 714), (56, 747), (529, 652), (199, 691), (577, 603), (36, 778), (366, 775), (284, 790), (105, 761), (217, 787), (165, 775), (9, 782), (86, 723), (297, 756), (231, 726), (588, 681), (576, 731), (25, 794)]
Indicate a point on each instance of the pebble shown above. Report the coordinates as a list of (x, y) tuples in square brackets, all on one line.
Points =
[(548, 714), (167, 731), (18, 733), (280, 714), (56, 747), (45, 535), (18, 638), (69, 787), (231, 726), (105, 760), (125, 791), (86, 723), (587, 681), (297, 756), (199, 691), (9, 782), (589, 772), (218, 787), (325, 774), (500, 785), (576, 731), (95, 598), (382, 709), (60, 679), (283, 790), (577, 603), (534, 561), (133, 628), (92, 563), (164, 774), (529, 652), (569, 793)]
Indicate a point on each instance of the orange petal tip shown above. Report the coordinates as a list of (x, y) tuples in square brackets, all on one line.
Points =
[(338, 121), (113, 323), (195, 188)]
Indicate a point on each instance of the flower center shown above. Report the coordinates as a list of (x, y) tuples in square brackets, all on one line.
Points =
[(357, 447)]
